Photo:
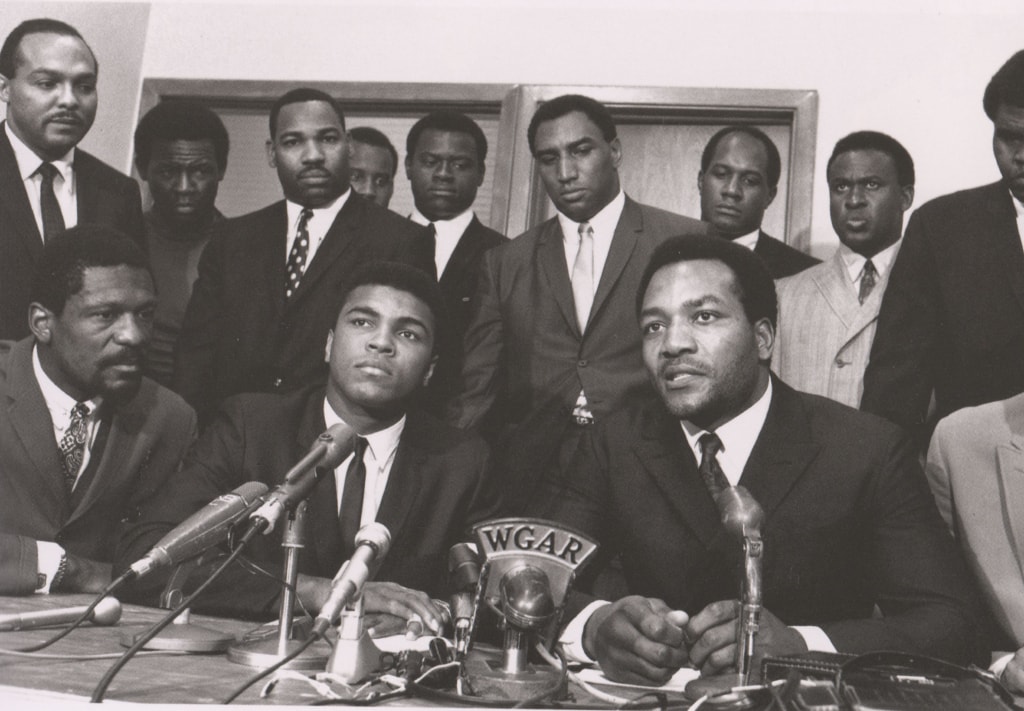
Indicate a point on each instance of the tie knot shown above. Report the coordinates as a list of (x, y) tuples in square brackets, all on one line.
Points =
[(48, 171), (305, 216), (585, 230), (710, 445), (80, 411), (359, 448), (869, 268)]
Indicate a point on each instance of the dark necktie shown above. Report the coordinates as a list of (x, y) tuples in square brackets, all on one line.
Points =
[(350, 515), (53, 218), (297, 255), (868, 279), (431, 239), (710, 471), (72, 444)]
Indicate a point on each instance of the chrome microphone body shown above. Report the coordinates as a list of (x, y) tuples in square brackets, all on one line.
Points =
[(463, 578), (107, 612), (372, 544)]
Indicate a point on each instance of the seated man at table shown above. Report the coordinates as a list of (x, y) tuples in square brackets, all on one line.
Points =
[(84, 437), (424, 480), (849, 522)]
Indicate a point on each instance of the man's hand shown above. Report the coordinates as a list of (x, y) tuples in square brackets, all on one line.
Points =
[(713, 632), (1013, 674), (389, 608), (637, 640), (85, 575)]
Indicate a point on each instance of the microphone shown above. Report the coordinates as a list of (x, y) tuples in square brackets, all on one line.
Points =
[(205, 528), (526, 600), (463, 577), (328, 451), (107, 612), (372, 544), (741, 515)]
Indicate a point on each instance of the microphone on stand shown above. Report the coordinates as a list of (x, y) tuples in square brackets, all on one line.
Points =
[(463, 577), (328, 451), (372, 543), (203, 529), (107, 612)]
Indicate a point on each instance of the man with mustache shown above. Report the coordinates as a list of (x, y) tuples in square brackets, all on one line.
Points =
[(738, 180), (48, 80), (268, 281), (849, 522), (952, 318), (84, 437), (828, 313)]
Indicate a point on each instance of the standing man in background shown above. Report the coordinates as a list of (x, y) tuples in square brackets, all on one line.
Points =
[(444, 161), (48, 82), (828, 313), (374, 162), (738, 179), (181, 152)]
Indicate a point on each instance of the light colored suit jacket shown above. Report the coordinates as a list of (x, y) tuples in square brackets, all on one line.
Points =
[(976, 471), (824, 334)]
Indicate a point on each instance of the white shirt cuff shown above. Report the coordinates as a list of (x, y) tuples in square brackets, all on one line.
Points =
[(572, 636), (816, 639), (48, 557), (999, 665)]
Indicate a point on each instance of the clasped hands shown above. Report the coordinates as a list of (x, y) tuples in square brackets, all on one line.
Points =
[(639, 640), (388, 608)]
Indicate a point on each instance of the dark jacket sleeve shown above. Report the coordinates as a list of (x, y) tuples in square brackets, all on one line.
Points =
[(18, 565)]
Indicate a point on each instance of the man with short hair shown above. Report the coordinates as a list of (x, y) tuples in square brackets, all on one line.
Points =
[(828, 313), (444, 161), (848, 524), (374, 163), (952, 318), (424, 480), (268, 281), (738, 179), (551, 340), (48, 81), (181, 152), (84, 437)]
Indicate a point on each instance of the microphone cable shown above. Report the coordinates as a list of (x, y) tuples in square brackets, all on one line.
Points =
[(101, 687)]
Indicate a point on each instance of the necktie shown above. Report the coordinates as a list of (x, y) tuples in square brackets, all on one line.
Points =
[(710, 471), (53, 218), (868, 279), (72, 444), (297, 256), (351, 513), (432, 240), (583, 275)]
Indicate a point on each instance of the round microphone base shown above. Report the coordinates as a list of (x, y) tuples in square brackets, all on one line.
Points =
[(184, 638), (267, 652), (488, 679), (721, 692)]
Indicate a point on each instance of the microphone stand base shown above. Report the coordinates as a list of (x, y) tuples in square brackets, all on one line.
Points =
[(488, 680), (719, 690), (353, 660), (184, 637), (262, 653)]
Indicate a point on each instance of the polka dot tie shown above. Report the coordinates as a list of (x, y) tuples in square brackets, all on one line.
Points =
[(297, 256)]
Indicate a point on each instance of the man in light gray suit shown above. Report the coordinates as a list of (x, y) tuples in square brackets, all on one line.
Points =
[(828, 313)]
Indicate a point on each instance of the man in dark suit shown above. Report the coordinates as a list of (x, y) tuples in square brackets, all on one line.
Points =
[(46, 183), (738, 179), (84, 437), (952, 319), (552, 347), (849, 522), (424, 480), (268, 286), (445, 153)]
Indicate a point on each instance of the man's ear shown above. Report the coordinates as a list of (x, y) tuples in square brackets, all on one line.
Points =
[(40, 322), (327, 348), (764, 332), (271, 154), (430, 371)]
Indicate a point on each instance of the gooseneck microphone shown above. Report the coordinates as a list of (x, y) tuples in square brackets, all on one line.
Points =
[(463, 577), (203, 529), (372, 544), (328, 451), (107, 612)]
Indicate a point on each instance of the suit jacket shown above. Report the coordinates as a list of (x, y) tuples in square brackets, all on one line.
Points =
[(524, 347), (781, 259), (825, 333), (976, 471), (952, 317), (438, 486), (241, 335), (849, 523), (147, 438), (104, 196)]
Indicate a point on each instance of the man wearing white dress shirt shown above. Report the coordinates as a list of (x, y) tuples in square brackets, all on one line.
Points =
[(48, 80), (828, 313)]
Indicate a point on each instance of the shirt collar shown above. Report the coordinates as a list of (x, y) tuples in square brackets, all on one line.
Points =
[(381, 443), (56, 399), (604, 222), (457, 225), (29, 162), (854, 262), (749, 240), (738, 436), (329, 211)]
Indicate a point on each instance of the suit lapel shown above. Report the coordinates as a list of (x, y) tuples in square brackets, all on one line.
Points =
[(322, 514), (832, 285), (336, 242), (87, 189), (551, 256), (462, 258), (404, 481), (1010, 458), (15, 202), (269, 253), (1000, 225), (627, 232)]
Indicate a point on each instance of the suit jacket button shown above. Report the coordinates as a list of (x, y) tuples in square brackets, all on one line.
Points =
[(277, 382), (581, 363)]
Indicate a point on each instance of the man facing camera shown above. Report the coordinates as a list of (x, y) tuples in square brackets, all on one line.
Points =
[(374, 162), (84, 437), (828, 313), (268, 286), (425, 481), (48, 80), (849, 522), (738, 180)]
